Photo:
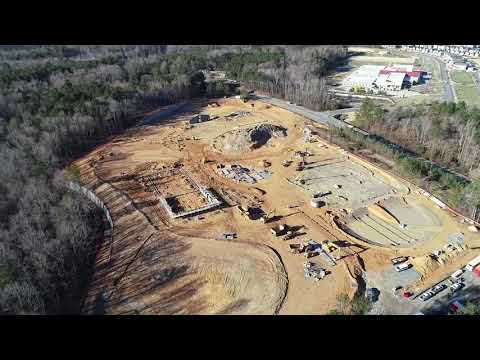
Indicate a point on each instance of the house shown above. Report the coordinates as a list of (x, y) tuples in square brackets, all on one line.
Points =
[(200, 118)]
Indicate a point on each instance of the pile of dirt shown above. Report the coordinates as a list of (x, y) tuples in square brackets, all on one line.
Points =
[(425, 264), (382, 213), (249, 138)]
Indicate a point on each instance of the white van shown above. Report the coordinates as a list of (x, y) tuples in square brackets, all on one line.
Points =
[(457, 274), (402, 267), (471, 265)]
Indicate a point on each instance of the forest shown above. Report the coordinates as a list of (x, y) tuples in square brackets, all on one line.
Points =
[(57, 102)]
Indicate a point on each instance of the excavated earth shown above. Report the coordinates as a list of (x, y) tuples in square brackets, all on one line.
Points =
[(152, 264)]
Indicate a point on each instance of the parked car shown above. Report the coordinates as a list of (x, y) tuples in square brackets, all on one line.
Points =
[(403, 267), (457, 274), (396, 288), (438, 288), (427, 295), (399, 260), (457, 286)]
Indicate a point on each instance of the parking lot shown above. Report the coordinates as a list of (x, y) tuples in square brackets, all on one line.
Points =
[(438, 304), (393, 302), (390, 302)]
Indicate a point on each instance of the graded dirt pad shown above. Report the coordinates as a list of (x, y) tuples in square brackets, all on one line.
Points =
[(403, 223), (349, 184), (155, 264)]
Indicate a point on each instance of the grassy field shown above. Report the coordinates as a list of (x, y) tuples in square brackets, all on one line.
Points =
[(462, 77), (420, 99), (466, 88)]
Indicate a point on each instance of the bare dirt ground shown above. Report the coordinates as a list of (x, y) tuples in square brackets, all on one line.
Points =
[(157, 265)]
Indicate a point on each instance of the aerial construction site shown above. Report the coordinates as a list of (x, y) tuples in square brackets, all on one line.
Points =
[(247, 209)]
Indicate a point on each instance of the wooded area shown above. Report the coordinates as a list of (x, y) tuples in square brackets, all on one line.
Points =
[(57, 102)]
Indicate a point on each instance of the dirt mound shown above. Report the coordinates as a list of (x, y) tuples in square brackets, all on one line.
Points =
[(425, 264), (249, 138), (380, 212)]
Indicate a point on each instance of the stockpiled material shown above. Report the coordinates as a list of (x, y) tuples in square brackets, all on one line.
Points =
[(249, 138), (382, 213)]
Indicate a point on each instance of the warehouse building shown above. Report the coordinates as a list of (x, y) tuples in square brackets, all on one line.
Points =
[(380, 78)]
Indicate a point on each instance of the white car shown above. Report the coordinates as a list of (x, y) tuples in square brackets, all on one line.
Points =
[(403, 267), (427, 295), (438, 288), (455, 287), (457, 274)]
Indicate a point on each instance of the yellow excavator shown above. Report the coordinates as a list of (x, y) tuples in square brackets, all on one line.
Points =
[(328, 246)]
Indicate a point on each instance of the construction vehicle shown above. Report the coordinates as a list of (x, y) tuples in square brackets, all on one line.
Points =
[(328, 246), (279, 230), (297, 248), (300, 166), (286, 163), (290, 235), (229, 236), (314, 271), (315, 248)]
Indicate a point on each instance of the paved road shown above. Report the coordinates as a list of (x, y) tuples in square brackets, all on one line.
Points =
[(320, 117), (448, 91)]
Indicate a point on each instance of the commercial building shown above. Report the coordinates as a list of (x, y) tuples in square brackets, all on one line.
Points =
[(380, 78)]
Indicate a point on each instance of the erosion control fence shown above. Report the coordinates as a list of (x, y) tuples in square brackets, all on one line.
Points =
[(94, 198)]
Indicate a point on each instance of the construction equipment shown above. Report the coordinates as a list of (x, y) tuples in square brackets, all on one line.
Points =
[(286, 163), (328, 246), (279, 230), (300, 166), (315, 248), (229, 236), (314, 271), (290, 235), (297, 248)]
